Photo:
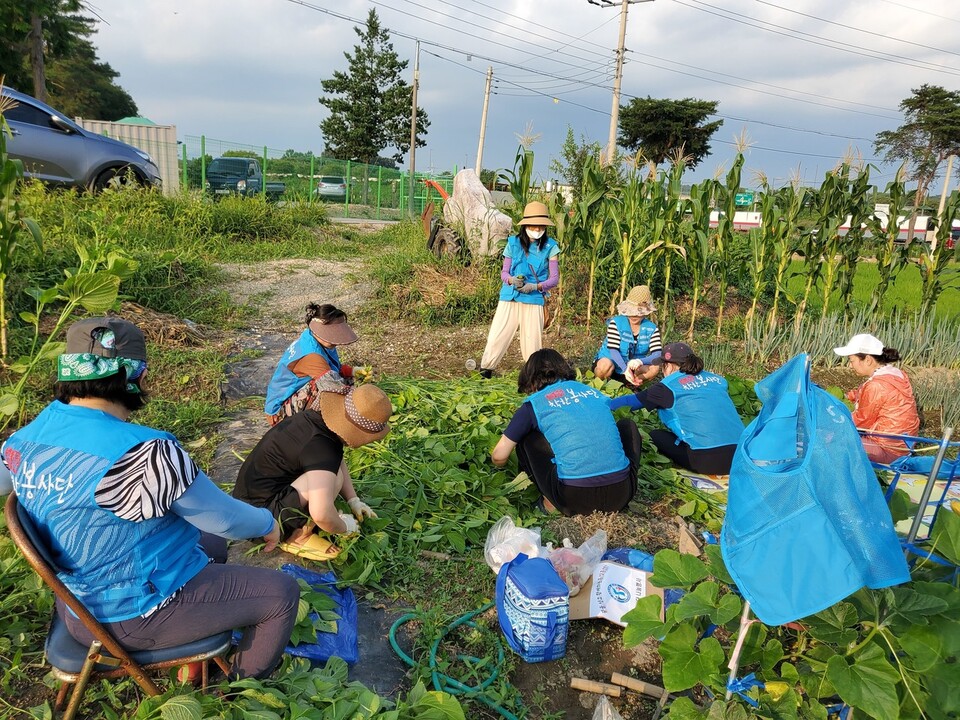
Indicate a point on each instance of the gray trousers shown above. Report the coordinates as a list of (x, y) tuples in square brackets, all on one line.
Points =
[(259, 601)]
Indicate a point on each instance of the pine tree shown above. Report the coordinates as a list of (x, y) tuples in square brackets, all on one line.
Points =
[(370, 103)]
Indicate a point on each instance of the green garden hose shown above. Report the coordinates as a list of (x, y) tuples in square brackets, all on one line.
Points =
[(445, 683)]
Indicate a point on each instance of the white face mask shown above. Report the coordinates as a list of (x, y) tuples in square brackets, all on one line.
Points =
[(535, 234)]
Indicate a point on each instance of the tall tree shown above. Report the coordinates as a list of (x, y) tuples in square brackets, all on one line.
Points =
[(572, 158), (661, 127), (929, 135), (370, 103), (45, 49)]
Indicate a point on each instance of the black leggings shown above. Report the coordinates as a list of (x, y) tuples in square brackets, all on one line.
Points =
[(535, 457), (710, 461)]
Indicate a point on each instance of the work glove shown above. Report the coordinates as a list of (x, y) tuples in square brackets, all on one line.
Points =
[(517, 281), (352, 525), (633, 367), (360, 509), (529, 288), (362, 374)]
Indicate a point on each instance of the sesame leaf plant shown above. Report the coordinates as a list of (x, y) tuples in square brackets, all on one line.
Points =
[(888, 653)]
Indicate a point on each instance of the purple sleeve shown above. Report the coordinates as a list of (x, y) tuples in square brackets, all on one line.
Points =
[(524, 422), (505, 270), (553, 279)]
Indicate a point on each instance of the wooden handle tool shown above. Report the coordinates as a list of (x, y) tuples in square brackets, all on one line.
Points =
[(595, 687)]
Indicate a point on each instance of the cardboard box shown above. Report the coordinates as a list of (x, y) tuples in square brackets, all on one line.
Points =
[(611, 592)]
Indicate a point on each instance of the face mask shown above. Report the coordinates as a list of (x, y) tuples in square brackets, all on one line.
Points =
[(535, 234)]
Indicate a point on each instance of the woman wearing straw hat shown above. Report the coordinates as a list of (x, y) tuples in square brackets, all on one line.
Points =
[(297, 470), (530, 270), (884, 403), (311, 363), (633, 341)]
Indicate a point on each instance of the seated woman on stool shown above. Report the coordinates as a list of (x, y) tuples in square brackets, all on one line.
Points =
[(884, 402), (567, 441), (703, 423)]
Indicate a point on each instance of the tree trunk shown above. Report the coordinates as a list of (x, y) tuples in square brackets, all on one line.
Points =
[(36, 58)]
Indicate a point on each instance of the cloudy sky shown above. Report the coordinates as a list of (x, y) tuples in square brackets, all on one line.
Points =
[(805, 80)]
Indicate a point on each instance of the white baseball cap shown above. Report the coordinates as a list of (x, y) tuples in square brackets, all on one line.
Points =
[(863, 344)]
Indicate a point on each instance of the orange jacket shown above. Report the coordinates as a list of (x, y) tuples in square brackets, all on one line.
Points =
[(885, 403)]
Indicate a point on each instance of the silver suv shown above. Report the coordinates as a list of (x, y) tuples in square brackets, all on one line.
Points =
[(60, 152)]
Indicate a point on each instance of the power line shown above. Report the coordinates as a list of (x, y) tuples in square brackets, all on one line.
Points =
[(796, 35), (757, 82), (856, 29), (532, 91), (787, 152), (918, 10)]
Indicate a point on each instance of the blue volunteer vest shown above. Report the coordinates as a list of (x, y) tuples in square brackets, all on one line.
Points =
[(703, 415), (119, 569), (578, 424), (285, 382), (630, 349), (533, 265)]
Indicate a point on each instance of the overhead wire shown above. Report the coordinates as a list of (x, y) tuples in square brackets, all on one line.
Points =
[(534, 91), (855, 28), (823, 42), (921, 10)]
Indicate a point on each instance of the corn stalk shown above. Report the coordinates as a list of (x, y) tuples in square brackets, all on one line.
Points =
[(519, 180), (891, 255), (726, 196), (591, 224), (782, 226), (698, 246), (933, 262), (858, 210)]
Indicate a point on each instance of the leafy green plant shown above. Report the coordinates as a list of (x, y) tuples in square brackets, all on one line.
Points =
[(93, 286), (316, 612), (887, 653), (14, 224)]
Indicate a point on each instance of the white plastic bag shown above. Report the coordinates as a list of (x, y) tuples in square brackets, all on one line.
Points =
[(505, 541), (575, 565), (605, 710)]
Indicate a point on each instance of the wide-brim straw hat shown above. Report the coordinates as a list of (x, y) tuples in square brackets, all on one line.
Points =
[(358, 415), (335, 333), (639, 302), (536, 213)]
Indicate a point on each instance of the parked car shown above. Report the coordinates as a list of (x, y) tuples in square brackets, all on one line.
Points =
[(331, 187), (240, 176), (60, 152)]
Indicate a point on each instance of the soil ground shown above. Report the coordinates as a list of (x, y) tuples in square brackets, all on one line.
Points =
[(399, 349)]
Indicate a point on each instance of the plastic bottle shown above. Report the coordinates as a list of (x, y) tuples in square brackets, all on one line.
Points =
[(471, 364)]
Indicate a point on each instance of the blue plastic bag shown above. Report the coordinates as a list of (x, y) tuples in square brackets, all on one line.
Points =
[(342, 644)]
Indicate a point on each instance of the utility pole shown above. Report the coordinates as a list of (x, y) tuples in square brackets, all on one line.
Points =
[(413, 130), (483, 119), (618, 76)]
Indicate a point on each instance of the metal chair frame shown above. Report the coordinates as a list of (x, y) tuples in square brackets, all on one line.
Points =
[(104, 650)]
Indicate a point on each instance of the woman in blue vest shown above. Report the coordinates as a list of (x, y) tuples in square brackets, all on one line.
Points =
[(131, 518), (703, 425), (310, 364), (530, 270), (632, 343), (567, 441)]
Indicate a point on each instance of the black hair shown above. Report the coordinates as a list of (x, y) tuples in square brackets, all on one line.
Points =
[(326, 314), (889, 355), (693, 365), (525, 240), (112, 388), (544, 367)]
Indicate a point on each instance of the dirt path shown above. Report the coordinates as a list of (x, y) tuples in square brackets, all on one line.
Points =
[(280, 290)]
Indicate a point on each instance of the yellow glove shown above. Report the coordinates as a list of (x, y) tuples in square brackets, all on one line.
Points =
[(362, 374)]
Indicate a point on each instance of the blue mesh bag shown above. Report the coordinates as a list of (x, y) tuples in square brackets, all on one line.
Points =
[(533, 607), (806, 524)]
